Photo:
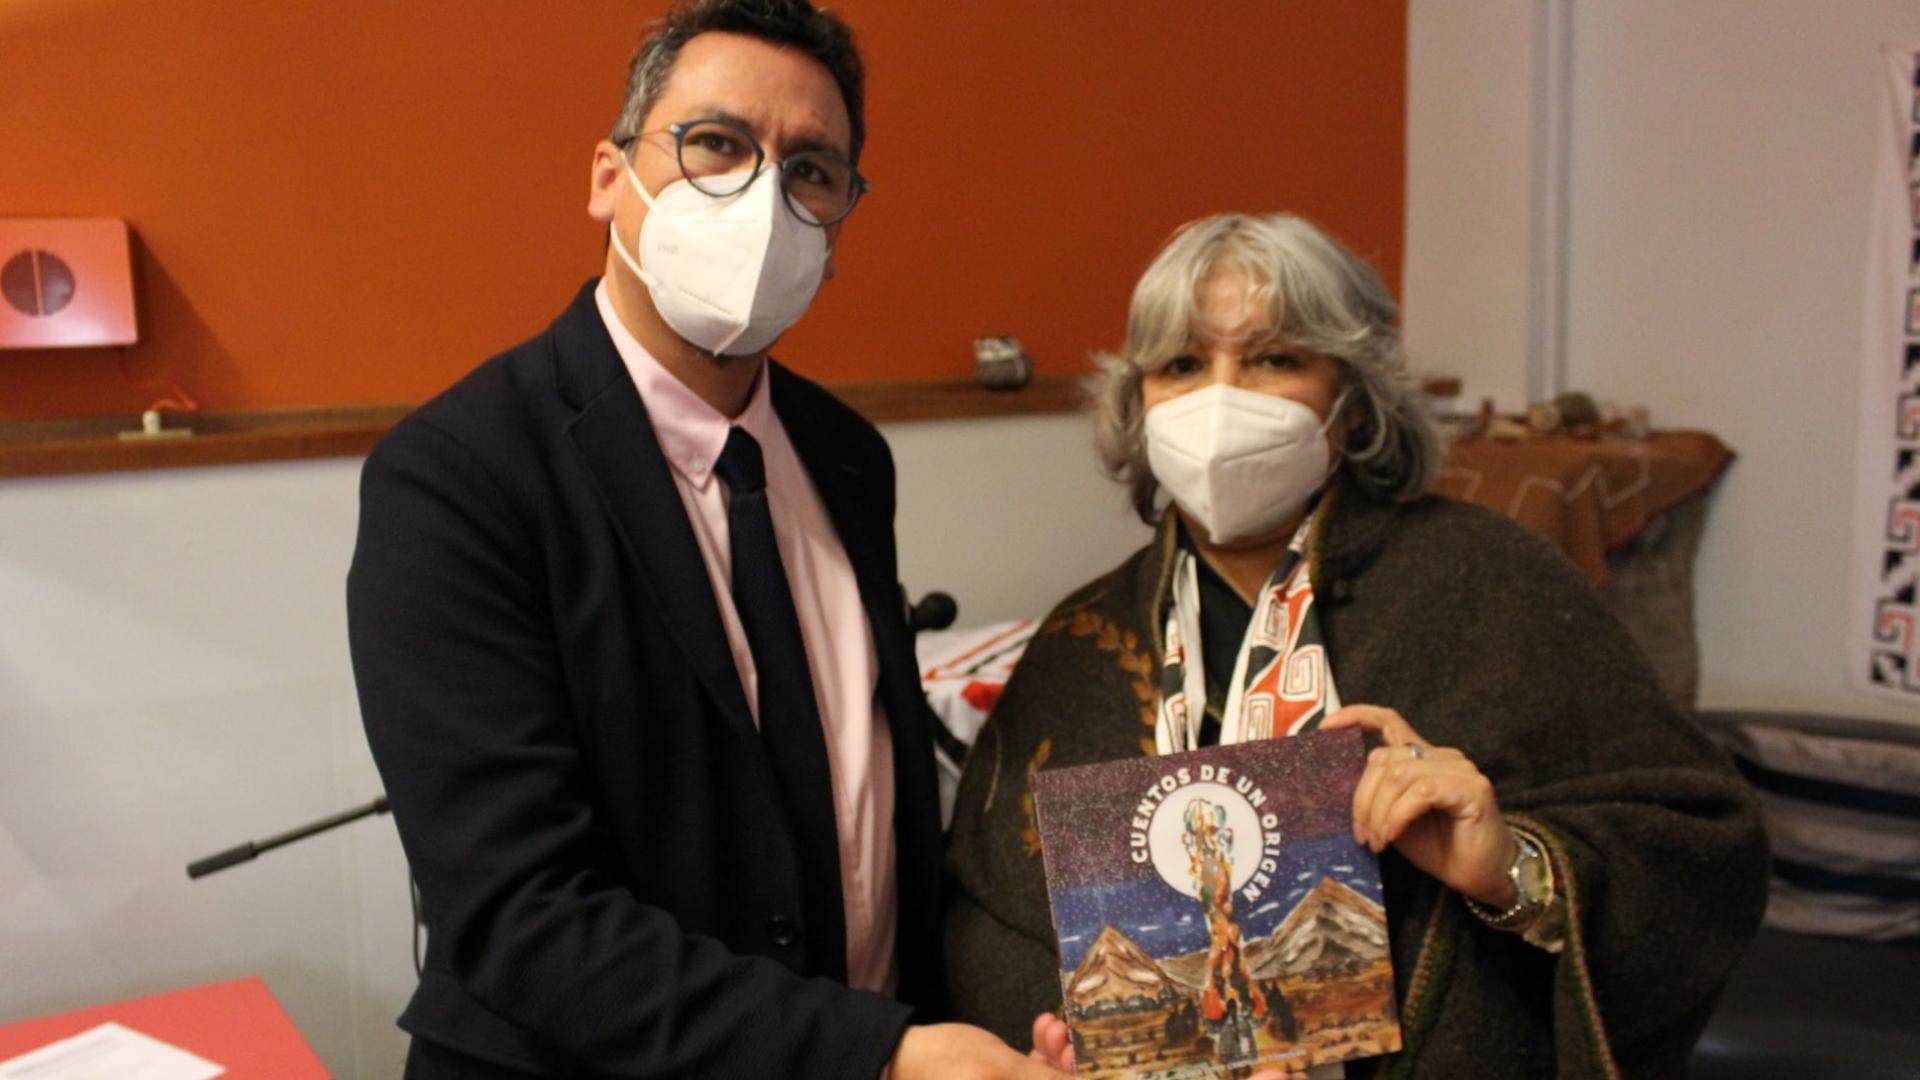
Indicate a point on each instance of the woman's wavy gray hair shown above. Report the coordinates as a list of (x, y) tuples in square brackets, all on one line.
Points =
[(1320, 297)]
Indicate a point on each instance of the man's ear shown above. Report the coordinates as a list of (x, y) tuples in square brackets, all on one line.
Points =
[(604, 180)]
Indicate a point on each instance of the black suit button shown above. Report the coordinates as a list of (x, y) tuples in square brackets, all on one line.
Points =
[(782, 930)]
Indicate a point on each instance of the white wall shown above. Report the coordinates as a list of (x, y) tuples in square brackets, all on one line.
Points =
[(1720, 161), (174, 680), (1470, 231), (1008, 515), (1723, 153)]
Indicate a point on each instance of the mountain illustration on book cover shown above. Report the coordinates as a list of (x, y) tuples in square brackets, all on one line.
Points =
[(1214, 912)]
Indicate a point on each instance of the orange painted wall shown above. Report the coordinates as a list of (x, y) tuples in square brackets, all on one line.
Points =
[(357, 202)]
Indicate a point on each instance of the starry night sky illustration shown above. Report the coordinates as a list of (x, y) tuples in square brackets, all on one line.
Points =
[(1085, 814)]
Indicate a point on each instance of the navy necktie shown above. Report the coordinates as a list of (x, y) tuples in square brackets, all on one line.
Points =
[(789, 715)]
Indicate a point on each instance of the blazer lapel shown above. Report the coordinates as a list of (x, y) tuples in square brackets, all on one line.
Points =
[(859, 516), (842, 485), (615, 440)]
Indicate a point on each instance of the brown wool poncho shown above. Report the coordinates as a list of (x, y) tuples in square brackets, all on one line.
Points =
[(1485, 638)]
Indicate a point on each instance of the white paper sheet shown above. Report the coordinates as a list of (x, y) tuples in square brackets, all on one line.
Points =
[(109, 1052)]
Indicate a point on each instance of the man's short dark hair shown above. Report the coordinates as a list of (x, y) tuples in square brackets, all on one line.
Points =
[(793, 24)]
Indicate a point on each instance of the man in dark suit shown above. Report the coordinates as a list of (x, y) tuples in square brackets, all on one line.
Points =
[(628, 634)]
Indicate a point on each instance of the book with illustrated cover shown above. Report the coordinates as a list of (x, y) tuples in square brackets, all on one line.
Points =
[(1214, 912)]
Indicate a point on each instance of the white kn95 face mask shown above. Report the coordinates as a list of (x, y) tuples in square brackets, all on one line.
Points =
[(1237, 462), (728, 274)]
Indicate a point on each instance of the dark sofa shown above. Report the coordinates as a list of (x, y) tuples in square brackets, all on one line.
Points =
[(1810, 1005)]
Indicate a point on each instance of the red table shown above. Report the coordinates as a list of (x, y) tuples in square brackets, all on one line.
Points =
[(237, 1024)]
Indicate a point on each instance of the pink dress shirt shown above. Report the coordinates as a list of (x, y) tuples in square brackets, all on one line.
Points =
[(840, 652)]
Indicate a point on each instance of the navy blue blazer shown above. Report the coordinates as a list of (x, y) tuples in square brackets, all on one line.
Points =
[(608, 873)]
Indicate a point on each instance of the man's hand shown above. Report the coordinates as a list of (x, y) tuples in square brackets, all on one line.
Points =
[(962, 1052), (1051, 1042)]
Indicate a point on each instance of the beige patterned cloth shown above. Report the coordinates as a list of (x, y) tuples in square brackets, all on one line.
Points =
[(1590, 496)]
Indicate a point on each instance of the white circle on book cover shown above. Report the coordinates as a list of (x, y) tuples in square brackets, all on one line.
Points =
[(1167, 830)]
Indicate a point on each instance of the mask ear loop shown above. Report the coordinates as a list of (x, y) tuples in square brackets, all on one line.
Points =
[(1326, 425), (613, 227), (1333, 412)]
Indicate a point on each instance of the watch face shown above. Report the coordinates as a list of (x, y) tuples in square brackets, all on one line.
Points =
[(1531, 874)]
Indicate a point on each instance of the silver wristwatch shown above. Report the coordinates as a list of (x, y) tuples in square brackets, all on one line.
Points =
[(1532, 876)]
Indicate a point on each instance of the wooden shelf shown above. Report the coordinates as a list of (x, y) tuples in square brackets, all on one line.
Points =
[(953, 399), (93, 444)]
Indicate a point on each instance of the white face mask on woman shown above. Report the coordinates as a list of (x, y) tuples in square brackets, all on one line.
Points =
[(1238, 463), (729, 274)]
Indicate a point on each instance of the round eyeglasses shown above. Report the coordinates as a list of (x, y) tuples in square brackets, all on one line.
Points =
[(721, 158)]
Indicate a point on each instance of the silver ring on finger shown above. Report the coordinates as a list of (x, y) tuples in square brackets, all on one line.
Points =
[(1416, 750)]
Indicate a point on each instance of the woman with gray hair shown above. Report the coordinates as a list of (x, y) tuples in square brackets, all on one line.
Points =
[(1320, 300), (1569, 868)]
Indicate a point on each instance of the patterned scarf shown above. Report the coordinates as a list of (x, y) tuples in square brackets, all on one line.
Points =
[(1281, 682)]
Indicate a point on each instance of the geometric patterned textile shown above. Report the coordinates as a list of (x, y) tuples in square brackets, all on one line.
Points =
[(962, 673), (1284, 682), (1884, 652), (1281, 685)]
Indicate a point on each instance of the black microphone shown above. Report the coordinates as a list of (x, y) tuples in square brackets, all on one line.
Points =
[(935, 611)]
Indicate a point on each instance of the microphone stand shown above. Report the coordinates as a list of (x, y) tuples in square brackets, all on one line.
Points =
[(252, 849), (936, 611)]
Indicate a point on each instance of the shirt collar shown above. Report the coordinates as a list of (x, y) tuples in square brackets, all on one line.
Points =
[(690, 431)]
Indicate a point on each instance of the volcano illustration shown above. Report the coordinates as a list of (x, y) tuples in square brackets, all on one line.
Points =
[(1332, 928), (1115, 971)]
